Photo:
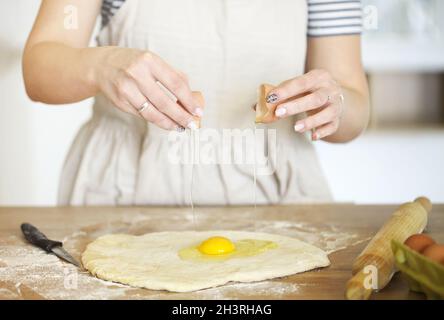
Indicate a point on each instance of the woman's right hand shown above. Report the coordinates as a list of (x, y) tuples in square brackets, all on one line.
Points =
[(130, 78)]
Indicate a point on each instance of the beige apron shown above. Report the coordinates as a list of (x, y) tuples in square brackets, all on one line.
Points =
[(227, 48)]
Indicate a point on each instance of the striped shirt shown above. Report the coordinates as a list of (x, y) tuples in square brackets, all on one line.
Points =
[(325, 17), (330, 18)]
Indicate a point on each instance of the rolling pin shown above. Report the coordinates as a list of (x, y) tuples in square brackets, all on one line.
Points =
[(410, 218)]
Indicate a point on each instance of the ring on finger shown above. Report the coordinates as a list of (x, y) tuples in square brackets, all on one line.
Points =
[(342, 98), (144, 106)]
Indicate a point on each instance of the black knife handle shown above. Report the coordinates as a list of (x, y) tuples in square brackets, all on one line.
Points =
[(33, 235)]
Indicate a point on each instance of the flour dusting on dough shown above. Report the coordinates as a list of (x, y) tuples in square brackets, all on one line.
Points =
[(41, 275), (152, 261)]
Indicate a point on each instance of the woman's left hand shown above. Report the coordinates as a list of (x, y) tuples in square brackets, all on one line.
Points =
[(315, 93)]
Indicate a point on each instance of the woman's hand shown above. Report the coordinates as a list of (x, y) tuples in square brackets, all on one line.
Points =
[(59, 67), (315, 93), (135, 81)]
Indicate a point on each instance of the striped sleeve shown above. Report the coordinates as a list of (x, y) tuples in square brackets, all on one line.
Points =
[(332, 18), (109, 8)]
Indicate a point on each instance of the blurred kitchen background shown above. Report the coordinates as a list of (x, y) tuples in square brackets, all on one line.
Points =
[(400, 157)]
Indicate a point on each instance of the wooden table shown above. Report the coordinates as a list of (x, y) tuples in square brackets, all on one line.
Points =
[(77, 226)]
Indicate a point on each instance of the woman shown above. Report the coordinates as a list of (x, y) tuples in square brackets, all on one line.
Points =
[(224, 49)]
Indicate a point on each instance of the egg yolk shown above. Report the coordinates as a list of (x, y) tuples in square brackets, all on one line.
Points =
[(218, 249), (216, 245)]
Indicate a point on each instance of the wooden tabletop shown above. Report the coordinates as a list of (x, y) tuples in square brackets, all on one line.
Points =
[(342, 229)]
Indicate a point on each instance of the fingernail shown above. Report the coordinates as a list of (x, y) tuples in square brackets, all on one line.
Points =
[(272, 98), (198, 112), (180, 129), (280, 112), (298, 127), (192, 125)]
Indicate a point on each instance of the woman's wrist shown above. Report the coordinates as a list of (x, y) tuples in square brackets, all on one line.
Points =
[(354, 117), (93, 59)]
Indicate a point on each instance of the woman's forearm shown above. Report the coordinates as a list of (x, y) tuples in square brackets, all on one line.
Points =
[(55, 73), (354, 118)]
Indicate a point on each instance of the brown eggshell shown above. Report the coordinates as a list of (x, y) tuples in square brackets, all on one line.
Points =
[(198, 96), (435, 252), (264, 110), (419, 242)]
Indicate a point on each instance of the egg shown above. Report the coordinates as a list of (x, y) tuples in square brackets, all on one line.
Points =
[(419, 242), (219, 248), (435, 252), (216, 245)]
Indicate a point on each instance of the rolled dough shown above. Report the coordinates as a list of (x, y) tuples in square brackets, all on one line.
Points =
[(151, 261)]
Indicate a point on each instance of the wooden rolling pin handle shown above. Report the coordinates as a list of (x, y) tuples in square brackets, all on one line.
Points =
[(425, 203), (408, 219), (355, 289)]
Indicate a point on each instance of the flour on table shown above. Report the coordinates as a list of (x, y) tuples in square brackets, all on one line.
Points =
[(43, 276)]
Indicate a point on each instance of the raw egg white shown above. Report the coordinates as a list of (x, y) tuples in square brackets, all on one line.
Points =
[(220, 249), (419, 242)]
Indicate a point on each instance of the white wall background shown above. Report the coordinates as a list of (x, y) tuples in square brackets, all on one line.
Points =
[(387, 166), (34, 138), (381, 167)]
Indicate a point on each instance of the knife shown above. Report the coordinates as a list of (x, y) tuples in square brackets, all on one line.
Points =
[(37, 238)]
